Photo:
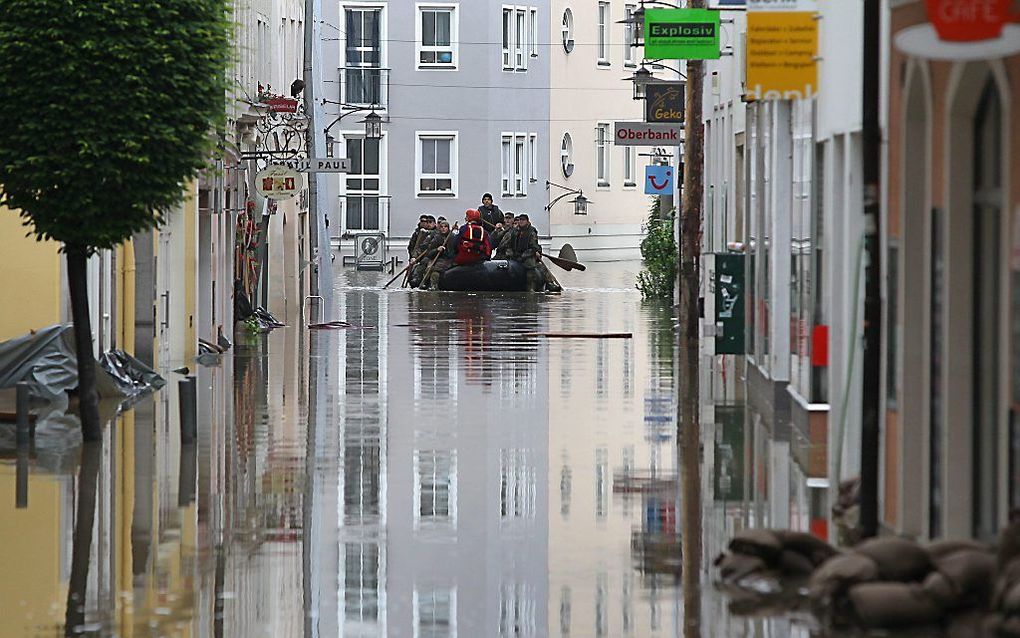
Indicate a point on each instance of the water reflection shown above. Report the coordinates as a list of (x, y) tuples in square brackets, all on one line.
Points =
[(441, 470)]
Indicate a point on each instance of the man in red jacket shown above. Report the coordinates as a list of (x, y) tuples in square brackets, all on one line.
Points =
[(472, 242)]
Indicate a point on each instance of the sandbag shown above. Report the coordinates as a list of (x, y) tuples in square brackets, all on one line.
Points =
[(838, 574), (939, 588), (793, 563), (971, 574), (891, 605), (898, 559), (939, 549), (1010, 603), (762, 543), (815, 549), (734, 567), (1009, 575)]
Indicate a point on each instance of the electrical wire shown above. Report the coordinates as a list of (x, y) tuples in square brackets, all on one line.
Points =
[(492, 87)]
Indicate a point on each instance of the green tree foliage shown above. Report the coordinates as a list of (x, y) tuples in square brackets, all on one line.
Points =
[(659, 254), (107, 108)]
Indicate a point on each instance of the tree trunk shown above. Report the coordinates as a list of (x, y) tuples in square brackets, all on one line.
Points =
[(689, 435), (84, 520), (88, 395)]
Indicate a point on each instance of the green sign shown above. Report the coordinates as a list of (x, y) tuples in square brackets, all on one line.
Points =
[(681, 34)]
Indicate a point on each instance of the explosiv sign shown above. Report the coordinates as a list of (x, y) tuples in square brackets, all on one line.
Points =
[(682, 34)]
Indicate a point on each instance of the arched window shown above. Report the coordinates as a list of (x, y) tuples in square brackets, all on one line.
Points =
[(568, 30), (567, 155)]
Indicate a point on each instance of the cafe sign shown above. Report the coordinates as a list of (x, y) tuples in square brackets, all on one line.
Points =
[(664, 102), (681, 34), (963, 30), (277, 182)]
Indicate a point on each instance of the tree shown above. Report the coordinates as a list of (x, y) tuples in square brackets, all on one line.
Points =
[(107, 109)]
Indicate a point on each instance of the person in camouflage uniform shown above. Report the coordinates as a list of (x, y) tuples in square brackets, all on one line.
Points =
[(501, 232), (442, 249), (436, 238), (522, 246)]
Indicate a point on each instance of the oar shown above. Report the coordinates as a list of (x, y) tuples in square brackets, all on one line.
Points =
[(442, 249), (566, 264), (397, 275)]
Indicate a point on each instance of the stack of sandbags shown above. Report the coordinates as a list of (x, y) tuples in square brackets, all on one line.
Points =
[(892, 582), (1004, 619)]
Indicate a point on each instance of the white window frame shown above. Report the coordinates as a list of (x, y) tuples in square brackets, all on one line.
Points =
[(441, 522), (381, 193), (567, 30), (628, 37), (606, 165), (567, 154), (629, 167), (506, 144), (533, 31), (602, 39), (419, 35), (520, 39), (383, 49), (532, 175), (508, 37), (518, 162), (420, 136), (416, 603)]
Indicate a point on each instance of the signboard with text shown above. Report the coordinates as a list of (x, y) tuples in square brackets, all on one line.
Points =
[(782, 50), (319, 165), (681, 34), (642, 134), (277, 182), (664, 102)]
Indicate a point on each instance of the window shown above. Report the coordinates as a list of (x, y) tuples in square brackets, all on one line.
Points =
[(435, 493), (567, 29), (602, 142), (437, 36), (436, 163), (533, 32), (518, 31), (628, 37), (517, 156), (435, 613), (629, 159), (508, 17), (363, 56), (567, 155), (603, 34), (362, 184)]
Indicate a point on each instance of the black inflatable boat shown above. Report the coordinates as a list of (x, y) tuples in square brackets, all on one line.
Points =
[(498, 275)]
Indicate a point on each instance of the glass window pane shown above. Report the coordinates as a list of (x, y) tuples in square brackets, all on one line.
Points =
[(354, 213), (371, 157), (442, 28), (371, 211), (444, 185), (428, 157), (354, 153), (443, 156), (428, 28)]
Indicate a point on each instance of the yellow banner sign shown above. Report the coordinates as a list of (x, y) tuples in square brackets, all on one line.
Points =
[(781, 51)]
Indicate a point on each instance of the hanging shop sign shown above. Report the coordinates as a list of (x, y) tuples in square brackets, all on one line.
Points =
[(278, 182), (642, 134), (282, 105), (664, 102), (963, 30), (782, 50), (681, 34), (659, 180)]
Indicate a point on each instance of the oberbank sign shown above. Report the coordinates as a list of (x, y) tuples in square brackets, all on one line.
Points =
[(681, 34), (640, 134)]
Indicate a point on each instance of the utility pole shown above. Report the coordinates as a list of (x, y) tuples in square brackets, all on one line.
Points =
[(689, 434), (321, 272), (872, 157)]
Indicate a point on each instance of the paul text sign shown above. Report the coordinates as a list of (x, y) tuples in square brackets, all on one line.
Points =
[(320, 165), (681, 34), (781, 51), (664, 102), (640, 134)]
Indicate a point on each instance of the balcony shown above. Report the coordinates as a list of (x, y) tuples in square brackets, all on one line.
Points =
[(365, 86)]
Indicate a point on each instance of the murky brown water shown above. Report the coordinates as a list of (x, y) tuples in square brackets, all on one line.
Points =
[(442, 471)]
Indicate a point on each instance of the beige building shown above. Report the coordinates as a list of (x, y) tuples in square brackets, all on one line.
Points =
[(590, 55)]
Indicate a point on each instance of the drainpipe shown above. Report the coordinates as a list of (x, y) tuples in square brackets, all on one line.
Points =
[(127, 296)]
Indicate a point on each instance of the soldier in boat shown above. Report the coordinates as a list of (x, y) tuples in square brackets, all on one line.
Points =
[(434, 239), (472, 243), (500, 233), (491, 215), (522, 245), (418, 236)]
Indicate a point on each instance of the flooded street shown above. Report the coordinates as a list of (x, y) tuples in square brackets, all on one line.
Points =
[(441, 469)]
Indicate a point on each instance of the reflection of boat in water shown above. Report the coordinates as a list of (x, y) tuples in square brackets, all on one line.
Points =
[(497, 275)]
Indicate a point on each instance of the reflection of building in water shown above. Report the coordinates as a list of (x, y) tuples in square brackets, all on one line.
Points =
[(613, 443), (362, 420), (466, 520)]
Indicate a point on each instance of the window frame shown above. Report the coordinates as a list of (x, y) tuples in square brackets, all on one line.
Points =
[(419, 175), (602, 30), (629, 60), (605, 164), (364, 193), (419, 36), (508, 34), (567, 31), (629, 167), (518, 164), (567, 154), (519, 43), (506, 143), (347, 64), (533, 31)]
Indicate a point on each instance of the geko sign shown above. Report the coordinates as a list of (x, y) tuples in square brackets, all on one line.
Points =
[(682, 34), (970, 20), (664, 102)]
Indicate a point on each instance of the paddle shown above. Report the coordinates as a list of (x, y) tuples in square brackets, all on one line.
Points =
[(566, 264), (440, 251), (396, 276)]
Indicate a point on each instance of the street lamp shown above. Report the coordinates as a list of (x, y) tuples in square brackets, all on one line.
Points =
[(580, 202), (372, 122), (373, 126), (641, 79)]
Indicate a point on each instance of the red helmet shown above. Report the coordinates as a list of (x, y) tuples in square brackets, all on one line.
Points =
[(472, 215)]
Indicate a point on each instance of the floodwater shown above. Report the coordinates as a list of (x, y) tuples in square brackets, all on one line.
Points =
[(444, 468)]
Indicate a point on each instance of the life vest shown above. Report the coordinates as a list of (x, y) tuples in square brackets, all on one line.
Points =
[(472, 246)]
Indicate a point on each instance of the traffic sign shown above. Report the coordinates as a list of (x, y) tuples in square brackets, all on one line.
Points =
[(278, 182)]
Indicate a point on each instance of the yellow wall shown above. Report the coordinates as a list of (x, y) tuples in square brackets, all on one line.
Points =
[(30, 276)]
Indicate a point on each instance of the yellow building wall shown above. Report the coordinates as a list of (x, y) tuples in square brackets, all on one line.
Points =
[(29, 279)]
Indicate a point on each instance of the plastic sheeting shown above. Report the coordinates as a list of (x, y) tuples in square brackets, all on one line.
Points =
[(46, 361)]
